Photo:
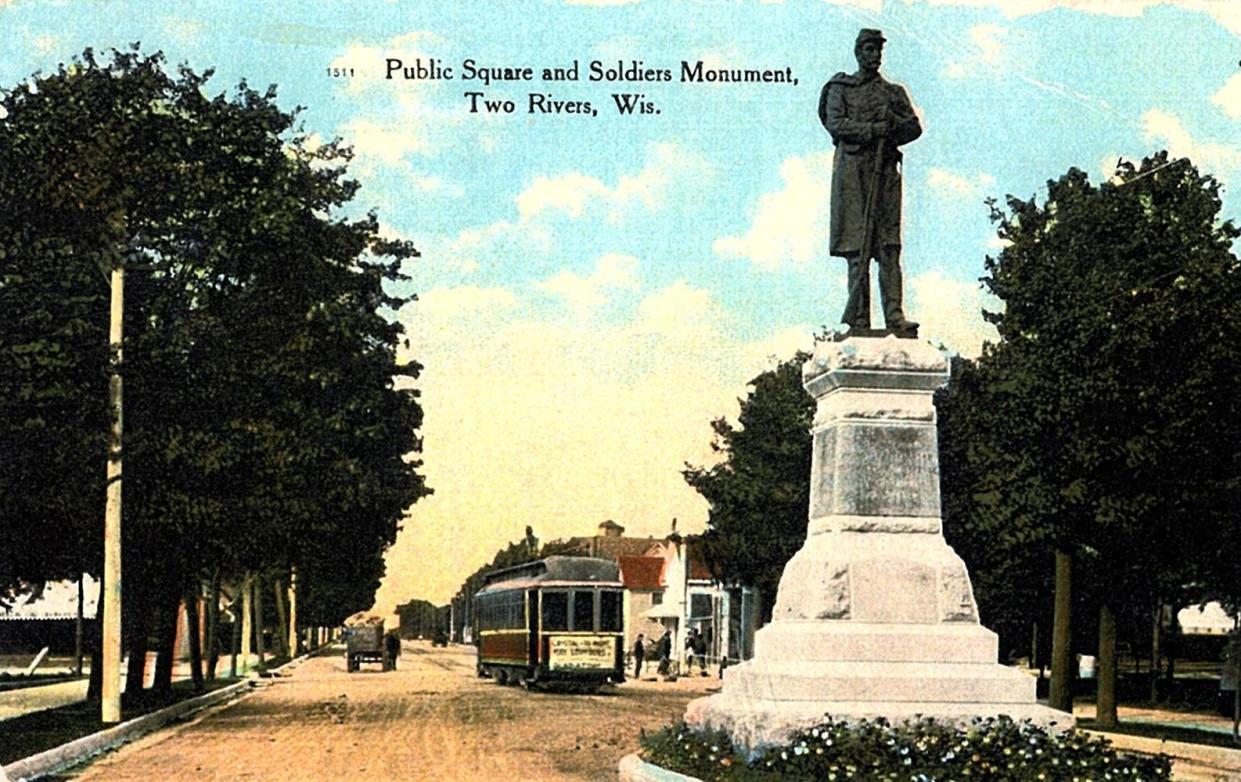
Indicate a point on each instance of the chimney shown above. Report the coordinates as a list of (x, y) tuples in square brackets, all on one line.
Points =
[(610, 529)]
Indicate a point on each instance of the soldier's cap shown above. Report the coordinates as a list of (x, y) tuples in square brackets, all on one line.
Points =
[(867, 34)]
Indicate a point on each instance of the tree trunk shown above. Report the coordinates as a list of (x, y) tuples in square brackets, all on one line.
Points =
[(77, 633), (1156, 653), (259, 642), (235, 646), (247, 621), (193, 604), (282, 619), (294, 638), (1105, 670), (136, 646), (94, 686), (1061, 694), (212, 614), (166, 649)]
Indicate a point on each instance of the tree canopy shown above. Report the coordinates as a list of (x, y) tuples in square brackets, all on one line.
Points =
[(269, 422), (1115, 377), (759, 493)]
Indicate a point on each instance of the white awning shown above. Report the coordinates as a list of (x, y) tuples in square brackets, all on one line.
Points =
[(662, 611)]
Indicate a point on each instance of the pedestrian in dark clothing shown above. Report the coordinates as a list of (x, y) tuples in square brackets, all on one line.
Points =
[(639, 654), (392, 645), (665, 653), (699, 643)]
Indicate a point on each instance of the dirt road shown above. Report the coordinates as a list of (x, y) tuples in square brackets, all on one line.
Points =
[(431, 719)]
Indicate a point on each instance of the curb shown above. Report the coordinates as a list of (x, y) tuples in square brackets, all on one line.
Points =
[(634, 769), (74, 752)]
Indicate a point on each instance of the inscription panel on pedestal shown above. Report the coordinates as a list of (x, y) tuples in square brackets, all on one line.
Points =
[(822, 472), (875, 470)]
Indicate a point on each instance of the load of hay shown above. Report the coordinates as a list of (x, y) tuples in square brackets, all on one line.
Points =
[(364, 619)]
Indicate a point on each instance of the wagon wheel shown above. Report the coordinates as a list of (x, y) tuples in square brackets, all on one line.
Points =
[(501, 677)]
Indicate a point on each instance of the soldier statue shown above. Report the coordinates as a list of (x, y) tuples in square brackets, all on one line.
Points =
[(868, 118)]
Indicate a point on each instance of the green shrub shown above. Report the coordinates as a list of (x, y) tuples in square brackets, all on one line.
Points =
[(994, 749)]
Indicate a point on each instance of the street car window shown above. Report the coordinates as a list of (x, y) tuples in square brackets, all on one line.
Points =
[(555, 611), (583, 610), (610, 612)]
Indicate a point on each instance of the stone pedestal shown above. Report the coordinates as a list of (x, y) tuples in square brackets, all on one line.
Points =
[(875, 615)]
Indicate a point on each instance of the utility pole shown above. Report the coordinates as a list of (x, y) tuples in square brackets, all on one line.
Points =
[(111, 636)]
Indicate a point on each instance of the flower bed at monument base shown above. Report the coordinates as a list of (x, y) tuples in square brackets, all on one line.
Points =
[(924, 751)]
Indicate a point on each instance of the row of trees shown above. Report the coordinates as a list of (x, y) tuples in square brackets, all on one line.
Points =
[(269, 424), (1105, 425), (1102, 432)]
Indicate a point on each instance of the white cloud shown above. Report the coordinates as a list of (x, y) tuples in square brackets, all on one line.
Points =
[(369, 62), (486, 246), (1228, 97), (950, 311), (790, 224), (568, 193), (953, 185), (185, 31), (1225, 12), (678, 310), (1162, 127), (390, 138), (584, 295), (669, 168), (986, 48), (468, 301), (397, 121), (874, 6), (780, 346)]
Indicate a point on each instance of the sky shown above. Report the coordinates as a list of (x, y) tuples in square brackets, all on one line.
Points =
[(596, 287)]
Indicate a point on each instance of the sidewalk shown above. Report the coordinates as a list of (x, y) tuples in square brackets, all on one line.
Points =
[(1191, 762)]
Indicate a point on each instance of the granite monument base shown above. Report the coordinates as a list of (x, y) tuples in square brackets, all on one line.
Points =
[(875, 615)]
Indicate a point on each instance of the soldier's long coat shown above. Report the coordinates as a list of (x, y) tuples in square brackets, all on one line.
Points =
[(850, 106)]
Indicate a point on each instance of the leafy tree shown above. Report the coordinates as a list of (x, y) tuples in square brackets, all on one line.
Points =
[(1115, 380), (759, 494), (1002, 543)]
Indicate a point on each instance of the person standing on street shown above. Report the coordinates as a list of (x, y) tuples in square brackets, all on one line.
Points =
[(665, 653), (639, 654), (700, 651), (392, 645)]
